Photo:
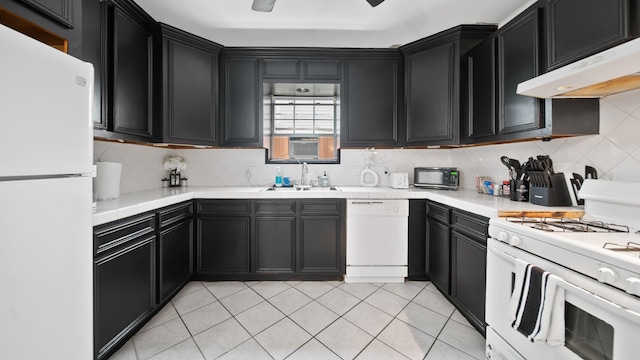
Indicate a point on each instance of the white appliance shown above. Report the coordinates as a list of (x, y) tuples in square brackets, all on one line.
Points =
[(399, 180), (606, 73), (46, 247), (598, 264), (377, 240)]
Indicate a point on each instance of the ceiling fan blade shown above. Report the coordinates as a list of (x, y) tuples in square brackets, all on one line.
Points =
[(263, 5), (374, 3)]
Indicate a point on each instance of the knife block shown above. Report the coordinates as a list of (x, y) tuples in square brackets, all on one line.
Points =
[(555, 195)]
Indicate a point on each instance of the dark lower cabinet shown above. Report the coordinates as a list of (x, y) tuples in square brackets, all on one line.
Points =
[(417, 269), (456, 255), (275, 244), (124, 280), (438, 255), (270, 239), (468, 275), (175, 249)]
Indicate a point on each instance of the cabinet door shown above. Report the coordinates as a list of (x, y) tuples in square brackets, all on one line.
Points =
[(59, 10), (275, 244), (241, 116), (518, 60), (438, 254), (94, 14), (482, 91), (281, 69), (190, 87), (322, 69), (370, 104), (223, 244), (431, 96), (468, 283), (320, 245), (132, 58), (578, 28), (417, 269), (124, 291), (175, 254)]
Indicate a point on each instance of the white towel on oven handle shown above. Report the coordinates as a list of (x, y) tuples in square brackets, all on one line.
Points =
[(549, 322)]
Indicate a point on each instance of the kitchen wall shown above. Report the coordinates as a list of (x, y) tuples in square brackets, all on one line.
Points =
[(615, 153)]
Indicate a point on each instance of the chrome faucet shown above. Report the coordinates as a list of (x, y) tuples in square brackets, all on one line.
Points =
[(304, 181)]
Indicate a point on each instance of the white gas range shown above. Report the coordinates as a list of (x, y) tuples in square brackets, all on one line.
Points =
[(597, 260)]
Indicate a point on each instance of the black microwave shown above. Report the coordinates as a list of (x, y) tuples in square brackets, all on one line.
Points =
[(436, 178)]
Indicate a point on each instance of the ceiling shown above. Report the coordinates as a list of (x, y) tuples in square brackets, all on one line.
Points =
[(325, 23)]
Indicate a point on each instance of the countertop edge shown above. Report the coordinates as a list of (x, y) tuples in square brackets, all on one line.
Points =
[(465, 199)]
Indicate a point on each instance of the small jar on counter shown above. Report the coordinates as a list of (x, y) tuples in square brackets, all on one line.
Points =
[(165, 182), (183, 182)]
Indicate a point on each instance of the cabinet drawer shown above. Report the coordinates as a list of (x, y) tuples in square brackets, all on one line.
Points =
[(438, 212), (224, 207), (270, 207), (320, 207), (109, 235), (173, 214), (476, 226)]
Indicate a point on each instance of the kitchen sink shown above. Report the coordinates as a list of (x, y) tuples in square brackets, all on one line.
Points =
[(298, 188)]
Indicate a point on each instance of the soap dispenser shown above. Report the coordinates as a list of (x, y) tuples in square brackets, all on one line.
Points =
[(324, 180), (278, 176)]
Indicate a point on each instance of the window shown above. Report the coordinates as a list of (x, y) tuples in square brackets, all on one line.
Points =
[(301, 122)]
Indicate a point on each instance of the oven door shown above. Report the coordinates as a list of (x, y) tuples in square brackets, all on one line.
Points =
[(595, 328)]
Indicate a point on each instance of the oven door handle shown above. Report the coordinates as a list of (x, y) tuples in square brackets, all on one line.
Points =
[(585, 294)]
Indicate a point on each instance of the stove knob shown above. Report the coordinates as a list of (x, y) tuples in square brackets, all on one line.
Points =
[(503, 236), (633, 286), (515, 241), (606, 275)]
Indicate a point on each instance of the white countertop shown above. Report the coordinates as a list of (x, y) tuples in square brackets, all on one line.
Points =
[(465, 199)]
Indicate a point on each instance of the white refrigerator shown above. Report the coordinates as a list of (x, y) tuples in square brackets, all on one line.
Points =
[(46, 155)]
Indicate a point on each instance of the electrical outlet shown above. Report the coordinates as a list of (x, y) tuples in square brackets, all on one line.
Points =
[(250, 171)]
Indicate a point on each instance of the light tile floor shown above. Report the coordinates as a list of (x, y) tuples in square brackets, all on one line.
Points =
[(305, 320)]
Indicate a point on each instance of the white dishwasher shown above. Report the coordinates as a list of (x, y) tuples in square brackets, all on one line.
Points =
[(377, 240)]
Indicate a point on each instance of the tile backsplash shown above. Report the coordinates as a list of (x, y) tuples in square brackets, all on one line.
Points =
[(615, 153)]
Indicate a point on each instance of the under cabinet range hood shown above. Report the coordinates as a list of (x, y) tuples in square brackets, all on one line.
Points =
[(606, 73)]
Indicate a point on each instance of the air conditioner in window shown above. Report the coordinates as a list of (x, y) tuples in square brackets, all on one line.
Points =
[(303, 147)]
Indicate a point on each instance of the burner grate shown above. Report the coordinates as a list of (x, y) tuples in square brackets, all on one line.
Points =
[(629, 247), (569, 225)]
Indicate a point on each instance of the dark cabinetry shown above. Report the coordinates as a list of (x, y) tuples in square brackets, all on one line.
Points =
[(124, 279), (456, 256), (270, 239), (301, 69), (118, 40), (223, 235), (417, 269), (189, 108), (435, 72), (175, 249), (241, 122), (495, 112), (372, 87), (275, 240), (578, 28)]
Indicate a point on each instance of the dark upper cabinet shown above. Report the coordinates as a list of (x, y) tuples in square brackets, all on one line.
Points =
[(189, 82), (435, 72), (131, 72), (578, 28), (58, 23), (240, 99), (118, 40), (301, 69), (519, 59), (370, 108), (494, 112), (482, 88)]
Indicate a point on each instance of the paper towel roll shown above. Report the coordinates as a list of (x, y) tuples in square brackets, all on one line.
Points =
[(108, 180)]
